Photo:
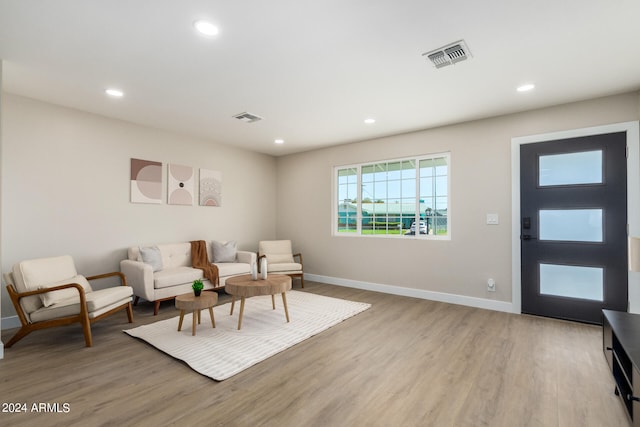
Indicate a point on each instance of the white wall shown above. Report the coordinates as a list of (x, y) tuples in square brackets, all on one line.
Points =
[(65, 189), (1, 156), (455, 270), (66, 179)]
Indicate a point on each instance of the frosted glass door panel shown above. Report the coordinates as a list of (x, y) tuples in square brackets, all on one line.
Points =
[(570, 169), (571, 225), (571, 281)]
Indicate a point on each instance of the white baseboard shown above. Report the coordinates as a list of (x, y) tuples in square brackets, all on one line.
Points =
[(415, 293), (14, 322)]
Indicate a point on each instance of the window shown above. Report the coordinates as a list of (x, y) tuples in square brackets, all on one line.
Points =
[(405, 197), (348, 194)]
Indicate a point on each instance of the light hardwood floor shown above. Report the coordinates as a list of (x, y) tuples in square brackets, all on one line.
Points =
[(404, 362)]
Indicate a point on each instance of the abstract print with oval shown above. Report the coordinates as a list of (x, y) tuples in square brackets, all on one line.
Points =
[(146, 181)]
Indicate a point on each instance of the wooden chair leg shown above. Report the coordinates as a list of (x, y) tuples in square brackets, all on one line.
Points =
[(156, 308), (302, 281), (22, 332), (86, 329), (130, 313), (135, 300)]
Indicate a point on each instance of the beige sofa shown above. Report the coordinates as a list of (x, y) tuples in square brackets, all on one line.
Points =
[(160, 272)]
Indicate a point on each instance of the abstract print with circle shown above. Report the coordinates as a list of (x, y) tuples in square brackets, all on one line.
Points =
[(180, 185)]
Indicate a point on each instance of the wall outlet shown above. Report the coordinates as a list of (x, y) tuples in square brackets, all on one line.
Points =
[(491, 285), (493, 219)]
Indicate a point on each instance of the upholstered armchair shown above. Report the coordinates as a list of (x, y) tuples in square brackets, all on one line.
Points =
[(281, 259), (48, 292)]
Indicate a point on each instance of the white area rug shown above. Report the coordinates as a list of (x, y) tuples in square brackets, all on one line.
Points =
[(224, 351)]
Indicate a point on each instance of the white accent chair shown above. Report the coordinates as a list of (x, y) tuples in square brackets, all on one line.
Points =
[(281, 259), (48, 292)]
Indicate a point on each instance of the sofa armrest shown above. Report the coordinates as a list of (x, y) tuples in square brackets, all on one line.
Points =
[(246, 257), (140, 277)]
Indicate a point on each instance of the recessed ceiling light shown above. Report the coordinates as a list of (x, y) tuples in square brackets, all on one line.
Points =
[(526, 88), (279, 141), (369, 121), (206, 28), (116, 93)]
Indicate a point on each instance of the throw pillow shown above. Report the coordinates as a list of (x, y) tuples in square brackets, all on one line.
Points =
[(224, 252), (151, 255), (55, 297)]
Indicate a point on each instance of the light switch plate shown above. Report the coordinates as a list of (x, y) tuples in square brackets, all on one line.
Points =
[(493, 219)]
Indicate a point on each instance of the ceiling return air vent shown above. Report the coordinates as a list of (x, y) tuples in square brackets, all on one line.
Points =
[(247, 117), (449, 54)]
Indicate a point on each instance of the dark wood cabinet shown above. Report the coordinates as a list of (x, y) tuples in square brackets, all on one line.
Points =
[(621, 345)]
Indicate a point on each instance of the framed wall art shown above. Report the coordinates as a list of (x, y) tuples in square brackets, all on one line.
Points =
[(210, 188), (146, 181), (180, 184)]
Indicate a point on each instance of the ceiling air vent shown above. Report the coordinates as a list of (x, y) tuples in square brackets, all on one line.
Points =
[(449, 54), (247, 117)]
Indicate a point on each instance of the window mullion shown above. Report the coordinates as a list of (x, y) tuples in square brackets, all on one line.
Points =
[(359, 201), (417, 212)]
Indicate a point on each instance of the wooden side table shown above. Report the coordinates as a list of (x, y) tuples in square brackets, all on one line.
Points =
[(244, 286), (190, 302)]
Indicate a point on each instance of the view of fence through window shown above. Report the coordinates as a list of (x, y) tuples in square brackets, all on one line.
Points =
[(396, 197)]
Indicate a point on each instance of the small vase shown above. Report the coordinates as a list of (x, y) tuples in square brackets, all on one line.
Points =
[(254, 271), (197, 292), (263, 268)]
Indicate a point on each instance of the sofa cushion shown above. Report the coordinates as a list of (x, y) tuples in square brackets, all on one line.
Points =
[(29, 275), (98, 302), (284, 267), (279, 258), (38, 272), (224, 252), (176, 276), (151, 255), (105, 297), (276, 251), (175, 255), (232, 268), (54, 297)]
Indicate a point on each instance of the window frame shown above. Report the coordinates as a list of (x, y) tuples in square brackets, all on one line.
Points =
[(358, 167)]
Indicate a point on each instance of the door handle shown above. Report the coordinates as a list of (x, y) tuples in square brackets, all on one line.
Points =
[(528, 237)]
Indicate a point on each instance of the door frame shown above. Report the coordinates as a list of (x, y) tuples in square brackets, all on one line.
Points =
[(633, 199)]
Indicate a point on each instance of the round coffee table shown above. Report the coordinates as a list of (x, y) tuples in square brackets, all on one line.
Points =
[(244, 286), (190, 302)]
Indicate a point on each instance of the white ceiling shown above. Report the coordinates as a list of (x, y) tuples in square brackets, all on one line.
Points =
[(315, 69)]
